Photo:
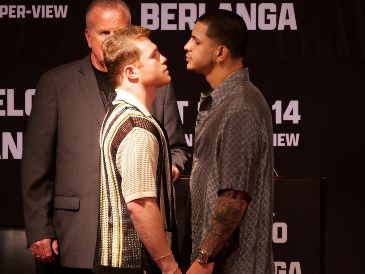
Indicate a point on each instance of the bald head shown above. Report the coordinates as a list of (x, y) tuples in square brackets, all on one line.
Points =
[(97, 5), (103, 18)]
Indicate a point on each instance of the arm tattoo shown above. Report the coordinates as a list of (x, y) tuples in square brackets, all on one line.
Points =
[(227, 215)]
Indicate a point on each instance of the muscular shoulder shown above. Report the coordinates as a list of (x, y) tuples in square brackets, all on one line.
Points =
[(246, 97)]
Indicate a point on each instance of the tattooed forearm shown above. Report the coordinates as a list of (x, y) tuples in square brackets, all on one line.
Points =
[(227, 215)]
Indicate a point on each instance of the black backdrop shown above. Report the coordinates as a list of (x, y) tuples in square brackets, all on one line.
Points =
[(314, 68)]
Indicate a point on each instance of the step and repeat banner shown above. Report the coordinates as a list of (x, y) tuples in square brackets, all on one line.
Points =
[(305, 56)]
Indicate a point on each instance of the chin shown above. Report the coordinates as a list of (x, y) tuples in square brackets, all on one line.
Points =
[(191, 67), (168, 80), (164, 81)]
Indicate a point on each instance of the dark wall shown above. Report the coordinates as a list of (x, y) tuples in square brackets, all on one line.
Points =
[(317, 68)]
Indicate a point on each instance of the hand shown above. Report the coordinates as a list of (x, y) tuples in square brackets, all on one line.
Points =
[(175, 174), (176, 271), (198, 268), (42, 250), (168, 264)]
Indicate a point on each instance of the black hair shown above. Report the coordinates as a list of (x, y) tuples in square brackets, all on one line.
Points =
[(226, 28)]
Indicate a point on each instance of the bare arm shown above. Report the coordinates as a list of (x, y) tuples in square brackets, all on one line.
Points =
[(230, 209), (147, 221)]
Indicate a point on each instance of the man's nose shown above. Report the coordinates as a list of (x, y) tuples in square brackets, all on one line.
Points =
[(163, 59), (187, 45)]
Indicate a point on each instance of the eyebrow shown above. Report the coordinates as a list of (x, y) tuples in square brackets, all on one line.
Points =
[(195, 38), (102, 30), (154, 50)]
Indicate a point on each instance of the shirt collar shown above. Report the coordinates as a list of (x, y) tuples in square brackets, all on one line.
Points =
[(228, 84), (123, 95)]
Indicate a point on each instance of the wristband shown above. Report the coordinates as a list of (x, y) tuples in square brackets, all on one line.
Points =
[(163, 256), (204, 258)]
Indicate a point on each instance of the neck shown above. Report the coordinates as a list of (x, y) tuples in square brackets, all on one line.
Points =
[(220, 72), (99, 66), (144, 95)]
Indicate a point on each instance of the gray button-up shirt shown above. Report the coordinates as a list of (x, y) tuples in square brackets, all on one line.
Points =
[(233, 150)]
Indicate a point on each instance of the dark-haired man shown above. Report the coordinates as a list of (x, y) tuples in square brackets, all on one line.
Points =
[(231, 183), (60, 166)]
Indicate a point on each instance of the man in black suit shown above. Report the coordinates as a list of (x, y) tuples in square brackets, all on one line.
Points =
[(60, 166)]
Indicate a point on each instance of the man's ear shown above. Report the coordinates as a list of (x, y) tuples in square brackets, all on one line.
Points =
[(221, 53), (130, 72), (87, 36)]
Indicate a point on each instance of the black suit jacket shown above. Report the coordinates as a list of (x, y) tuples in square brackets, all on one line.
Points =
[(60, 165)]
